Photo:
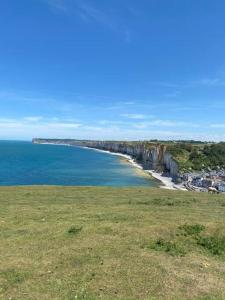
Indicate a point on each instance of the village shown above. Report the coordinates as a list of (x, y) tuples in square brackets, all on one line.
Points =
[(205, 181)]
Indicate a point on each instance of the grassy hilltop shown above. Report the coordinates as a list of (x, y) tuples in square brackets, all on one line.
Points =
[(111, 243)]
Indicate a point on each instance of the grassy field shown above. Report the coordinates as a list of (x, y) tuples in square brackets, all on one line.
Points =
[(110, 243)]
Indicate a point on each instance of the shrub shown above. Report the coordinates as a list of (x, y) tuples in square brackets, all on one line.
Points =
[(192, 229), (167, 246), (214, 244), (74, 230)]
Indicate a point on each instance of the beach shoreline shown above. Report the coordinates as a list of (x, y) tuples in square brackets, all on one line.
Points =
[(166, 182)]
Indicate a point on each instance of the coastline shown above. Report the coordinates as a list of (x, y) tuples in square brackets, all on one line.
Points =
[(166, 182)]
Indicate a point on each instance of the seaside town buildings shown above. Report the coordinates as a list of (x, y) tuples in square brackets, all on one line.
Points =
[(203, 181)]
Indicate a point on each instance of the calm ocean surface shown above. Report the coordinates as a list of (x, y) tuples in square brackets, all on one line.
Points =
[(24, 163)]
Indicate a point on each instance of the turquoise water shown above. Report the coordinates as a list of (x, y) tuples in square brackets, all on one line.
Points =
[(24, 163)]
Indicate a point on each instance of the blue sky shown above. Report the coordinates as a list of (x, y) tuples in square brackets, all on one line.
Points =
[(112, 69)]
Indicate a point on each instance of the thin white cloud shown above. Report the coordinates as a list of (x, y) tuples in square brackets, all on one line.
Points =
[(47, 128), (92, 14), (107, 122), (36, 122), (218, 125), (134, 116), (128, 102), (207, 82), (63, 125), (174, 94), (166, 84), (164, 123), (27, 129), (211, 82), (57, 5), (33, 119)]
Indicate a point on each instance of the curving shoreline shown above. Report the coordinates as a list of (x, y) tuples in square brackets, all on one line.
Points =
[(166, 182)]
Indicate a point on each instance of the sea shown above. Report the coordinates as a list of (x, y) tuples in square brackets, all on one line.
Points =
[(24, 163)]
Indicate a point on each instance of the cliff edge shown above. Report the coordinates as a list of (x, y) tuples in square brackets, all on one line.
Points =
[(152, 156)]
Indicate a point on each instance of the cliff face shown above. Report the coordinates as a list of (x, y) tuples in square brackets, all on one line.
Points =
[(150, 156), (154, 157)]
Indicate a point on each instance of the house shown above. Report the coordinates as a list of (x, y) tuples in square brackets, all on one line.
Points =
[(197, 181), (187, 177), (221, 187), (206, 183)]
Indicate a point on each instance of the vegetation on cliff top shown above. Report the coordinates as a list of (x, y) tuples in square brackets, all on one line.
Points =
[(108, 243), (198, 156)]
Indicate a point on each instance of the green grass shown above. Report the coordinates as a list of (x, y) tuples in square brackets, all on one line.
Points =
[(111, 243), (215, 244), (192, 229), (169, 247)]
